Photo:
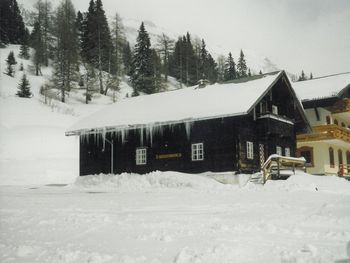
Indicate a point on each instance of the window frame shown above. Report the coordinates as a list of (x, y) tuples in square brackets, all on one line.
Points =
[(197, 152), (287, 151), (274, 109), (279, 149), (310, 150), (331, 157), (141, 156), (250, 150)]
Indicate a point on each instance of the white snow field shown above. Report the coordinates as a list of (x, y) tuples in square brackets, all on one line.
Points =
[(174, 217)]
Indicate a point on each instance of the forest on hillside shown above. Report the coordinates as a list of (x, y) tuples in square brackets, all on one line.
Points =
[(86, 51)]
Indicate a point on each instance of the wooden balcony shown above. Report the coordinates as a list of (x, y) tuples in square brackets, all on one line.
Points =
[(326, 132)]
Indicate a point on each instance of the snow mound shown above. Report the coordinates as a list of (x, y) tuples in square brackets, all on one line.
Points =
[(154, 180), (306, 182)]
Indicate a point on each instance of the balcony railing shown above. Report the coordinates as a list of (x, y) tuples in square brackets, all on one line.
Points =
[(326, 132)]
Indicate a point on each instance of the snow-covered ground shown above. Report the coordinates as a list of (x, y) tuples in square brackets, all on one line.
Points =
[(48, 214), (173, 217)]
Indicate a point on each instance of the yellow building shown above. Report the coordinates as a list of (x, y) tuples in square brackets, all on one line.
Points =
[(326, 101)]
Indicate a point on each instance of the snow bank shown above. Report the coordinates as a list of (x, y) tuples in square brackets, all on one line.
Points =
[(313, 183), (137, 182)]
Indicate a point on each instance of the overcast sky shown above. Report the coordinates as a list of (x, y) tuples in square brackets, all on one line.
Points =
[(313, 35)]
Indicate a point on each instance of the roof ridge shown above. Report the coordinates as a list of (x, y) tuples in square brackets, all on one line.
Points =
[(327, 76)]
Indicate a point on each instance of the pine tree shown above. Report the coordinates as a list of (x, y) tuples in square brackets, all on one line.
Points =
[(11, 61), (142, 77), (66, 59), (260, 72), (302, 77), (89, 78), (230, 68), (24, 88), (157, 69), (37, 44), (44, 18), (96, 46), (21, 67), (127, 58), (190, 61), (249, 73), (203, 61), (24, 49), (12, 29), (221, 68), (311, 76), (165, 47), (116, 68), (242, 65)]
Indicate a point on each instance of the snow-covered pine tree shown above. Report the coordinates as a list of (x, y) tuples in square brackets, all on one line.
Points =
[(24, 88), (142, 77), (11, 61), (24, 49), (66, 58), (230, 68), (242, 65)]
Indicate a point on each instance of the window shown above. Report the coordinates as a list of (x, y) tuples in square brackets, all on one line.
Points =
[(336, 122), (328, 119), (197, 152), (141, 156), (348, 157), (250, 150), (263, 107), (287, 151), (279, 150), (343, 125), (307, 153), (340, 156), (331, 157), (274, 109)]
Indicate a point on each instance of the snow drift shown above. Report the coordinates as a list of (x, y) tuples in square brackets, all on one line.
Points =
[(154, 180)]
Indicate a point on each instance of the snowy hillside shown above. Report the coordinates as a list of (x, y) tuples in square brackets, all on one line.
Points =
[(33, 147)]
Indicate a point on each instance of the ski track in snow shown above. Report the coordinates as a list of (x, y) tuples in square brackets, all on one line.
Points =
[(208, 222)]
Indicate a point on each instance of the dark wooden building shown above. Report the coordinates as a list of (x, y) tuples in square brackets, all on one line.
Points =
[(223, 127)]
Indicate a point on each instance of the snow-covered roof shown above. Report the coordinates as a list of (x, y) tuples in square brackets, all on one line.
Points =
[(323, 87), (183, 105)]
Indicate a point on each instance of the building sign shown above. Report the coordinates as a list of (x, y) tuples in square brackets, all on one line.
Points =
[(168, 156)]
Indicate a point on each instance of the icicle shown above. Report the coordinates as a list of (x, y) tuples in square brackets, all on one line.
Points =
[(122, 134), (188, 126), (103, 138), (141, 136), (150, 127)]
